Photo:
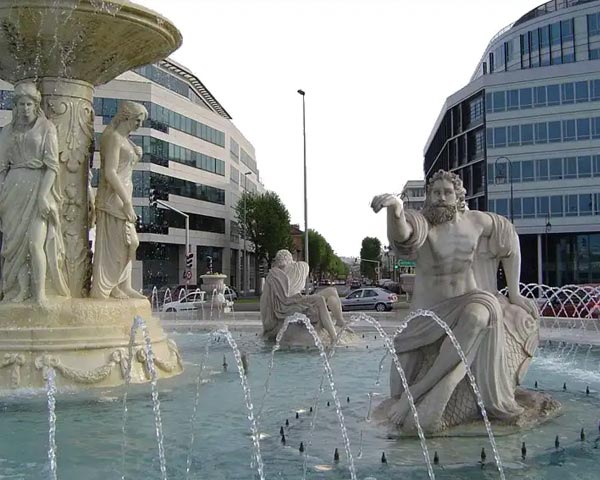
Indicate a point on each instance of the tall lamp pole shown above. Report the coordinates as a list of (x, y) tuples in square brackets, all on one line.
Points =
[(245, 262), (545, 263), (301, 92), (503, 177)]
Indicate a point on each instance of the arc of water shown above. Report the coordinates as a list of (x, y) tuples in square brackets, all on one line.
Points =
[(154, 299), (315, 406), (390, 348), (300, 318), (139, 323), (248, 397), (448, 330), (51, 394), (188, 462)]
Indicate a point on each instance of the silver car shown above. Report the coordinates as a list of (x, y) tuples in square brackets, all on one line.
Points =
[(369, 298)]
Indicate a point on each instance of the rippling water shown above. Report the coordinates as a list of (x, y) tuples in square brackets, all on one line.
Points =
[(88, 427)]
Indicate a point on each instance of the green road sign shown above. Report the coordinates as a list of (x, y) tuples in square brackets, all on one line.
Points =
[(406, 263)]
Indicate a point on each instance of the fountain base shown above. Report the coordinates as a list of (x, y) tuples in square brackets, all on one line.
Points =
[(86, 341)]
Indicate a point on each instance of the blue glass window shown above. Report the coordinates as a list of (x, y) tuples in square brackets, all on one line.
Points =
[(568, 130), (596, 162), (556, 170), (553, 95), (499, 137), (568, 93), (527, 171), (584, 166), (556, 205), (583, 128), (567, 30), (540, 96), (555, 34), (542, 206), (581, 92), (570, 167), (541, 132), (554, 134), (502, 206), (594, 90), (526, 97), (512, 99), (593, 24), (585, 204), (541, 169), (528, 207), (516, 208), (514, 136), (596, 127), (499, 102), (571, 205), (527, 134)]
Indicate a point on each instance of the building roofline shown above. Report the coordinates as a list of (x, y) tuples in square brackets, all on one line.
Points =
[(175, 67)]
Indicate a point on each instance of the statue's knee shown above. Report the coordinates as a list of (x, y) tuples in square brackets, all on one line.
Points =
[(476, 316)]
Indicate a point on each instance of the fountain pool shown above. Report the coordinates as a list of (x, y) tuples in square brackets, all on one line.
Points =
[(89, 424)]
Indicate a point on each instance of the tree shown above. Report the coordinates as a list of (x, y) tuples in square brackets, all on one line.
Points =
[(266, 221), (370, 250), (322, 260)]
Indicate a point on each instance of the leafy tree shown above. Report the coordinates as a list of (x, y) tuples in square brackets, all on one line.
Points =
[(322, 260), (370, 250), (266, 221)]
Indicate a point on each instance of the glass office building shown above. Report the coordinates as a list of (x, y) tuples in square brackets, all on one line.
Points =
[(524, 135)]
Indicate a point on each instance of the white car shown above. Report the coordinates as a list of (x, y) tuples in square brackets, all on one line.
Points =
[(191, 301)]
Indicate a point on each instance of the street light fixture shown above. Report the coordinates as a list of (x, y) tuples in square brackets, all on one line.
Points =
[(547, 230), (503, 178), (245, 261), (301, 92)]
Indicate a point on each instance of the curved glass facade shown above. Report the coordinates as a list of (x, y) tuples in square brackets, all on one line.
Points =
[(524, 136)]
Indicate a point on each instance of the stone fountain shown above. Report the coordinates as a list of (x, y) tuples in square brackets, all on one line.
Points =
[(66, 48)]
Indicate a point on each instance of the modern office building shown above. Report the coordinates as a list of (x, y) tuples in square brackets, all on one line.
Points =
[(197, 161), (524, 135), (413, 194)]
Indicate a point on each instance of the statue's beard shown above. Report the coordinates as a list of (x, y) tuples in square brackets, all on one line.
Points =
[(438, 214)]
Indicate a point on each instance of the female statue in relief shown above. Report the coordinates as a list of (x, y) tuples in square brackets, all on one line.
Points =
[(116, 238), (32, 247)]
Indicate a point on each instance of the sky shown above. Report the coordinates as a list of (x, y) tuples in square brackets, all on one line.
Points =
[(376, 75)]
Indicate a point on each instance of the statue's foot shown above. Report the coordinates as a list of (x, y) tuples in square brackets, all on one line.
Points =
[(118, 294), (399, 410), (42, 303), (19, 298)]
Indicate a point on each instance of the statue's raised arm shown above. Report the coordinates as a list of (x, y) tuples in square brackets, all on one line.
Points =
[(398, 229)]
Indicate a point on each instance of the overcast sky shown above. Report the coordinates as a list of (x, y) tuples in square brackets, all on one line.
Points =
[(376, 74)]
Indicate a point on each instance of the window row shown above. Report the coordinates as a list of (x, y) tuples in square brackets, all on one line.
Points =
[(547, 45), (234, 150), (583, 205), (543, 132), (543, 96), (542, 169), (161, 118), (247, 160), (165, 185), (160, 152), (159, 220)]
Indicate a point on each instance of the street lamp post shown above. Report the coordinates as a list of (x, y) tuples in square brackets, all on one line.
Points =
[(503, 177), (245, 261), (547, 230), (301, 92)]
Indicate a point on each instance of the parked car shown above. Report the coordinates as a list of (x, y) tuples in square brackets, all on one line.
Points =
[(575, 305), (369, 298), (311, 289), (230, 294), (355, 283), (191, 301)]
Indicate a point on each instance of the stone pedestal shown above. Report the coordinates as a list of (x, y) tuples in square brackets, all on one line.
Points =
[(85, 341), (211, 282)]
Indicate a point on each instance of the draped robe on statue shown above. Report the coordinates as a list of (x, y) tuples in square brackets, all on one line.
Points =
[(500, 355), (24, 158), (281, 297)]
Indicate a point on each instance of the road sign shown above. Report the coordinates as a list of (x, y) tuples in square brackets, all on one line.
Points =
[(406, 263), (187, 274)]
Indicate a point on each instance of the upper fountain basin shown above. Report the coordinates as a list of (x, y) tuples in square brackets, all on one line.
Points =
[(90, 40)]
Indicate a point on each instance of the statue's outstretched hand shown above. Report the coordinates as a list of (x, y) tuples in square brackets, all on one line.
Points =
[(387, 200), (525, 303)]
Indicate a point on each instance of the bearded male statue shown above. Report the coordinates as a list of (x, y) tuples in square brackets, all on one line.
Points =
[(457, 253)]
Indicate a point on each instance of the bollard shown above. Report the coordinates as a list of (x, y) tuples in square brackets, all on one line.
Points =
[(556, 443), (383, 459), (224, 363), (280, 430), (483, 455), (436, 459), (297, 416), (582, 435), (565, 386), (301, 447), (283, 439), (336, 456)]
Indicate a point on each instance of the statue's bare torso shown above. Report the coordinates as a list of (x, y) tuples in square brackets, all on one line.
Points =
[(445, 260)]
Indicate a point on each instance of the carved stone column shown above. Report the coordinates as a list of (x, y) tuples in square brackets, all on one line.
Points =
[(68, 104)]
